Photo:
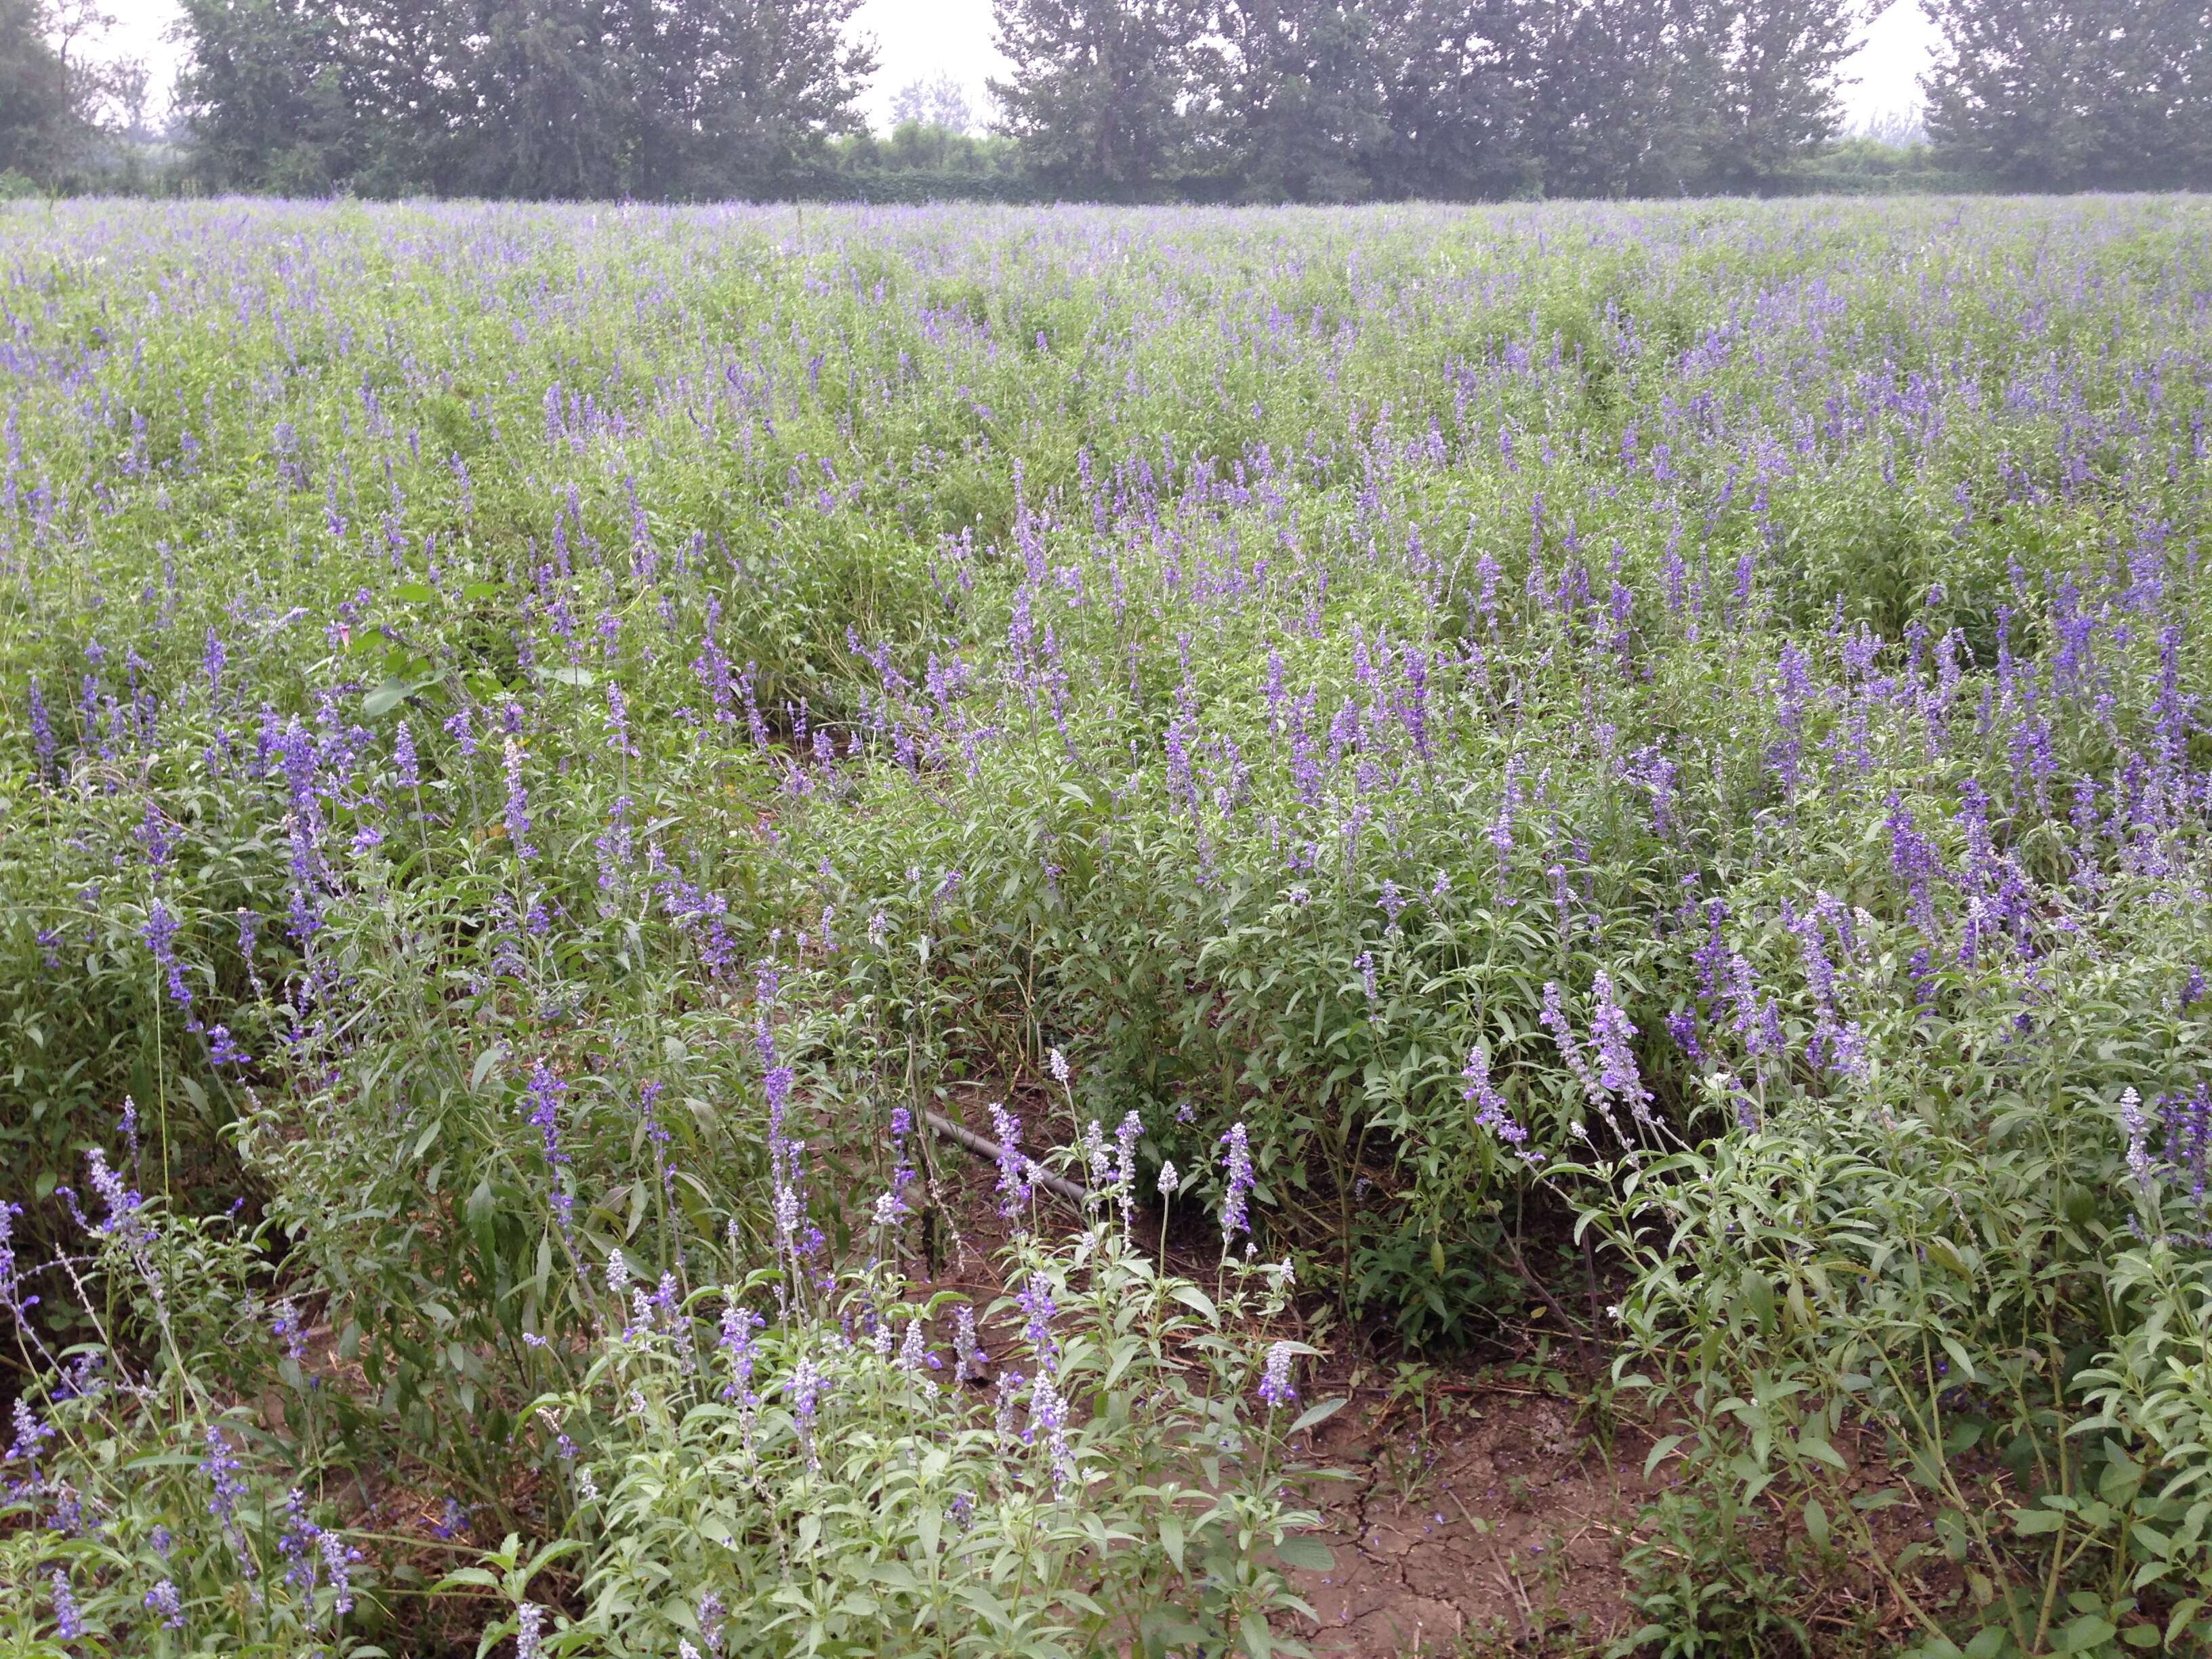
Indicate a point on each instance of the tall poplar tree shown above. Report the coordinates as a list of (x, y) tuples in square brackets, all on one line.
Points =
[(1106, 95), (1612, 96), (1455, 112), (274, 95), (35, 112), (1300, 101), (1772, 72), (2073, 94), (531, 98)]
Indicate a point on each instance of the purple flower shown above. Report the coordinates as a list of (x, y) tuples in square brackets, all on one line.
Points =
[(163, 1601), (1491, 1111), (1914, 859), (285, 1327), (29, 1432), (1392, 902), (619, 721), (804, 1390), (2140, 1168), (297, 1546), (1125, 1156), (339, 1559), (1049, 1414), (1036, 1303), (1275, 1387), (1014, 1169), (153, 836), (517, 804), (1610, 1026), (226, 1491), (1553, 1018), (913, 1355), (968, 1358), (544, 1096), (1238, 1180), (223, 1049), (160, 936), (11, 1284), (2188, 1119), (68, 1622), (738, 1324), (42, 731), (124, 1216)]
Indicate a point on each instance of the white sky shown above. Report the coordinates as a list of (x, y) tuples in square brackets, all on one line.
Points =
[(919, 39)]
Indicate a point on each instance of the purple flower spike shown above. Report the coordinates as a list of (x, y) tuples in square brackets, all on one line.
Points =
[(1236, 1165)]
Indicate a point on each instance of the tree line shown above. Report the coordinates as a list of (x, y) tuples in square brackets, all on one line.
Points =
[(1129, 101)]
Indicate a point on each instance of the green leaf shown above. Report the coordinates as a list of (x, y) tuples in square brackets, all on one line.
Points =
[(1171, 1537), (2090, 1630), (1306, 1554), (1198, 1302), (1960, 1358), (386, 697), (1816, 1522), (1660, 1451), (1317, 1413), (2183, 1612)]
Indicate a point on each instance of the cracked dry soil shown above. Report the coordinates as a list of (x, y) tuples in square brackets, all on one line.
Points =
[(1498, 1524)]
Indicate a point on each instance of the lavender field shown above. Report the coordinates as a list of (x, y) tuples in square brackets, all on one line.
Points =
[(1625, 788)]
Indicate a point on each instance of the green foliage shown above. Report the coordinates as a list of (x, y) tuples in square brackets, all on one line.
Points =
[(2108, 95), (832, 1492), (144, 1502), (37, 116), (578, 99), (1645, 756)]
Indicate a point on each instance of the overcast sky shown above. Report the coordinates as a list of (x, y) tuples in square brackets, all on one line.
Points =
[(920, 40)]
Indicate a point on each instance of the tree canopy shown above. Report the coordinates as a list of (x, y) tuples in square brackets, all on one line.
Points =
[(1122, 100), (2075, 94), (537, 98)]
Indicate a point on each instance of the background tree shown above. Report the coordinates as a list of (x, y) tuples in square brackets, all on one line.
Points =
[(35, 117), (2068, 94), (1766, 73), (941, 103), (1300, 101), (1104, 95), (273, 100), (1452, 110), (764, 85), (554, 99), (558, 99), (1607, 83)]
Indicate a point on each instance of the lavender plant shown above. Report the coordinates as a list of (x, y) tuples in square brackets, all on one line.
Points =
[(539, 738), (790, 1463)]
